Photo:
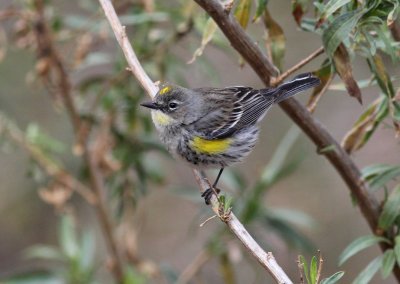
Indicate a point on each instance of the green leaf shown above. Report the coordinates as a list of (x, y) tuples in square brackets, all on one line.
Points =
[(292, 216), (380, 180), (87, 250), (333, 279), (331, 7), (358, 245), (35, 135), (305, 268), (288, 232), (276, 40), (391, 209), (242, 12), (68, 239), (313, 270), (35, 277), (394, 13), (371, 171), (339, 30), (133, 277), (261, 6), (208, 33), (44, 252), (368, 272), (388, 262), (397, 249)]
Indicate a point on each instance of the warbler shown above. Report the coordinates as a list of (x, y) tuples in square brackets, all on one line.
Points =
[(216, 127)]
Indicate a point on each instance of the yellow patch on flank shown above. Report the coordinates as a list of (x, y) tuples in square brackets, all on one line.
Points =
[(210, 146), (161, 118), (164, 90)]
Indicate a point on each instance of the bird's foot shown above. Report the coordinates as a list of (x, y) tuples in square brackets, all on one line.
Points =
[(209, 193)]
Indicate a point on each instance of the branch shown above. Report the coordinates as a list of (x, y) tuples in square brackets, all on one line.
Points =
[(296, 67), (265, 259), (50, 167), (339, 159), (314, 129)]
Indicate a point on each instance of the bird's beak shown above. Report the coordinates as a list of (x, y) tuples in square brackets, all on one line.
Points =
[(151, 105)]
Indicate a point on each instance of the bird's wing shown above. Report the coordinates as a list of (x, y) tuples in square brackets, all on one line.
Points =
[(236, 108)]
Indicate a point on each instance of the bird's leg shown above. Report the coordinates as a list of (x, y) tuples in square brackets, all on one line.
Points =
[(213, 189)]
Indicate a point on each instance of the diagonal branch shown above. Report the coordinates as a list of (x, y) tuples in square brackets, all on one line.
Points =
[(321, 137), (296, 67), (265, 259), (315, 130)]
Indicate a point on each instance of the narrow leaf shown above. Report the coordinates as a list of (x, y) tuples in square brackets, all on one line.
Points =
[(397, 249), (358, 245), (366, 275), (384, 81), (242, 12), (276, 40), (391, 209), (331, 7), (365, 126), (324, 73), (393, 14), (343, 67), (382, 179), (68, 240), (44, 252), (208, 33), (305, 268), (340, 30), (333, 279), (388, 262), (313, 270), (377, 169), (299, 8), (261, 6)]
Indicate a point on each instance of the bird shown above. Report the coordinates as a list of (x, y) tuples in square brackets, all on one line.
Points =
[(216, 127)]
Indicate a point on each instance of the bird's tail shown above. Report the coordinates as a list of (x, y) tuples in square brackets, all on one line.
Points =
[(297, 84)]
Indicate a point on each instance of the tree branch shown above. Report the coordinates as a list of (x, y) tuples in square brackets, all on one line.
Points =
[(265, 259), (50, 167), (340, 160), (296, 67)]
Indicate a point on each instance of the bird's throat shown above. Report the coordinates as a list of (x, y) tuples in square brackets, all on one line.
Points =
[(161, 119)]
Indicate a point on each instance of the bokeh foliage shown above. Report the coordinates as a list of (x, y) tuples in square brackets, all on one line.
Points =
[(107, 99)]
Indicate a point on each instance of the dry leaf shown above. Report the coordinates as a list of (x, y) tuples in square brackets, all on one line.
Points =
[(344, 69), (208, 34)]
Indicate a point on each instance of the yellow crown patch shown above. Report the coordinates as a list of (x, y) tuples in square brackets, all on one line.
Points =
[(164, 90)]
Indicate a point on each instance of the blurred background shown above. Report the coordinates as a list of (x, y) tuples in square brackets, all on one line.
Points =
[(164, 208)]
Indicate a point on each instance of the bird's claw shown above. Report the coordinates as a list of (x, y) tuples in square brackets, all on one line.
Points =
[(208, 193)]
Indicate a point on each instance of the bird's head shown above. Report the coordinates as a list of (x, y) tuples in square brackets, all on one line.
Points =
[(175, 103)]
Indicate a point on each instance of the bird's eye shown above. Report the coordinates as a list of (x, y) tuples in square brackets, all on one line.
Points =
[(172, 105)]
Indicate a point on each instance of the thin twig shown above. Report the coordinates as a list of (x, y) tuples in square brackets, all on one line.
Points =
[(265, 259), (320, 265), (312, 103), (296, 67), (192, 269), (50, 167)]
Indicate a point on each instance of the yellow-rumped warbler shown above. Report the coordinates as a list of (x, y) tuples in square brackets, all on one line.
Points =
[(214, 128)]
